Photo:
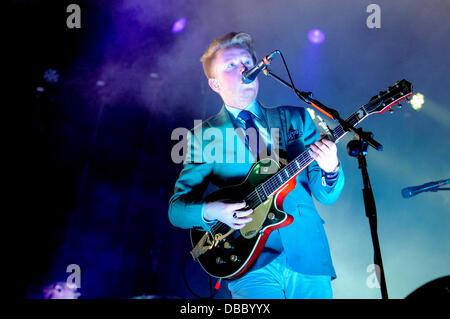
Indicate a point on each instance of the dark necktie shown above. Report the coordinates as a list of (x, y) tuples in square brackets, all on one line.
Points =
[(247, 121)]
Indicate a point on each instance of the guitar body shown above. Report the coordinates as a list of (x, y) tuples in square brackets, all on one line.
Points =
[(233, 255)]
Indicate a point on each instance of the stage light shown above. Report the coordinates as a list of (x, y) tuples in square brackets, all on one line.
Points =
[(316, 36), (179, 25), (417, 101)]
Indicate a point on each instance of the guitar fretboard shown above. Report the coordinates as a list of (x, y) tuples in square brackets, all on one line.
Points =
[(302, 161)]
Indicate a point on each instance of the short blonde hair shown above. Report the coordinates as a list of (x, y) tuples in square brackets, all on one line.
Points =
[(231, 39)]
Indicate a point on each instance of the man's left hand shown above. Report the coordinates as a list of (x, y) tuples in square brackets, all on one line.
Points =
[(325, 154)]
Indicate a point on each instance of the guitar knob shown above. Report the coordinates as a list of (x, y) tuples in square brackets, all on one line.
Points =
[(227, 245), (234, 258), (219, 261), (271, 216)]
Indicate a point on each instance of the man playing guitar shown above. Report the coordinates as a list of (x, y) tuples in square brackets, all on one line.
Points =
[(296, 261)]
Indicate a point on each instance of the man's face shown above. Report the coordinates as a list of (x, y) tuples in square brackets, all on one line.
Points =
[(227, 67)]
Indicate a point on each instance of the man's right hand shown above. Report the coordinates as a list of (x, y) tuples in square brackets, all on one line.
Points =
[(227, 213)]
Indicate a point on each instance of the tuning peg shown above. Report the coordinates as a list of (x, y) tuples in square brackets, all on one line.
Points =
[(399, 105), (391, 111)]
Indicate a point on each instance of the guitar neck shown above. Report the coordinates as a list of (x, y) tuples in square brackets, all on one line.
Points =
[(278, 180)]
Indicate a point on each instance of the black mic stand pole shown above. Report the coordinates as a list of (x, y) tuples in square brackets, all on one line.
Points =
[(356, 148)]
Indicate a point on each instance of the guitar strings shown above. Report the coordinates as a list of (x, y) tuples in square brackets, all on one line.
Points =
[(252, 201), (289, 170), (303, 159)]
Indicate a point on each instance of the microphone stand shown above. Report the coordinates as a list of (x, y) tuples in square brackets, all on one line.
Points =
[(356, 148)]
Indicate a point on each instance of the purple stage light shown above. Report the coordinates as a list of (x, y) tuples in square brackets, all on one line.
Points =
[(316, 36), (179, 25)]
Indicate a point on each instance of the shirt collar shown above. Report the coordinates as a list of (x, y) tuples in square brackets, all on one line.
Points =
[(254, 108)]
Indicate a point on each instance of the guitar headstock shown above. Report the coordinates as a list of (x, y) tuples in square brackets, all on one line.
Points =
[(401, 90)]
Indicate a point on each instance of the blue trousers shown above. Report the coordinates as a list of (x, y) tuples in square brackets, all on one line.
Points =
[(277, 281)]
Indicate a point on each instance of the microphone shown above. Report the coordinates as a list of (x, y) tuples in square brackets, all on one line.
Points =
[(250, 75), (414, 190)]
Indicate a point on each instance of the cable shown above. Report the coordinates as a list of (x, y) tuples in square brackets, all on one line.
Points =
[(211, 293), (292, 85), (287, 70)]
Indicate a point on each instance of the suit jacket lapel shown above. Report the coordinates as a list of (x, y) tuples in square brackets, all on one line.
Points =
[(275, 118)]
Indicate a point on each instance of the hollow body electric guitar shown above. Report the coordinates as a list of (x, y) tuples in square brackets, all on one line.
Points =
[(224, 252)]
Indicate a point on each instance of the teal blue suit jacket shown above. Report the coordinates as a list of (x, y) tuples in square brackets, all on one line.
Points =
[(207, 166)]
